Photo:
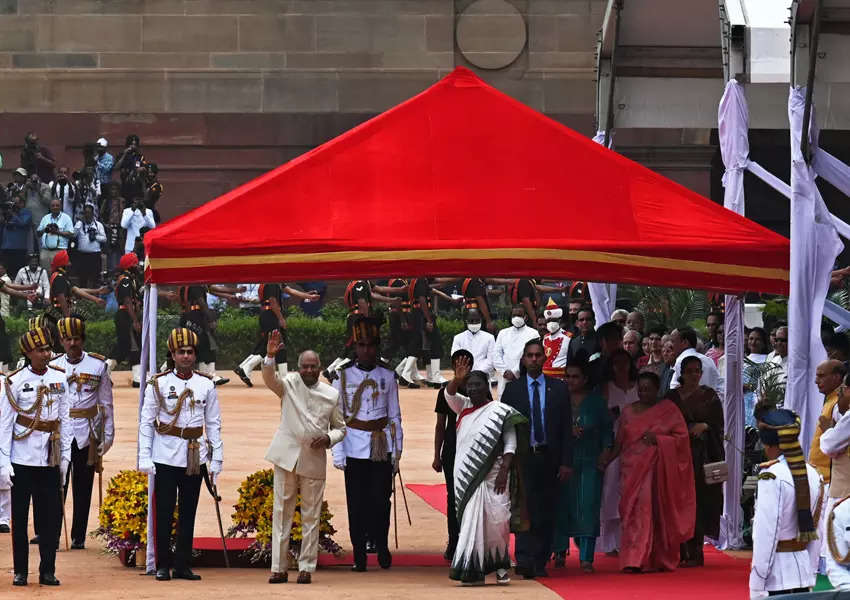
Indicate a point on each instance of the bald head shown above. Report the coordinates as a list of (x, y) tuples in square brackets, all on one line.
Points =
[(829, 375), (309, 367)]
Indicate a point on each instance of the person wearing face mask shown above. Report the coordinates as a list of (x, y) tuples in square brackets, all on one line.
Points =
[(556, 342), (481, 344), (509, 346)]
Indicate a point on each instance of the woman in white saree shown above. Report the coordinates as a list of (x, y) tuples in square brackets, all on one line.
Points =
[(484, 487)]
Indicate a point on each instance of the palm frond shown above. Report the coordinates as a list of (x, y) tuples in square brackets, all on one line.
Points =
[(768, 380)]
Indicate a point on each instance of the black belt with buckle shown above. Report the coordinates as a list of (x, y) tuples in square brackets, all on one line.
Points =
[(539, 449)]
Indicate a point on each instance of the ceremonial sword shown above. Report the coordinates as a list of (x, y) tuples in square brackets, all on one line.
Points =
[(216, 498)]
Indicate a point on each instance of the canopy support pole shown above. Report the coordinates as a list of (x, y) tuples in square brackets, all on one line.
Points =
[(148, 365)]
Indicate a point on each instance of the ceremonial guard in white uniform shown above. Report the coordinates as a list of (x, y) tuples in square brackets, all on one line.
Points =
[(371, 449), (789, 504), (180, 431), (838, 545), (556, 343), (35, 450), (93, 428)]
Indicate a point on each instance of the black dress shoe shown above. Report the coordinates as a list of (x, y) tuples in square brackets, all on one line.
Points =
[(77, 545), (4, 528), (35, 540), (359, 567), (221, 381), (185, 573), (20, 579), (449, 554), (48, 579), (243, 376), (385, 559), (163, 575), (136, 384)]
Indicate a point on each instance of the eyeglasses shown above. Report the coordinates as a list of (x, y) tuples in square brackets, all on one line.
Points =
[(783, 340)]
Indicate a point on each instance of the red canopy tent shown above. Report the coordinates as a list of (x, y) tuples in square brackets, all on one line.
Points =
[(463, 180)]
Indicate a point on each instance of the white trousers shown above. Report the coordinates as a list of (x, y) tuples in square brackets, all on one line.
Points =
[(6, 507), (287, 486)]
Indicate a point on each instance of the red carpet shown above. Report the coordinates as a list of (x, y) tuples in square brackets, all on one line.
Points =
[(721, 577)]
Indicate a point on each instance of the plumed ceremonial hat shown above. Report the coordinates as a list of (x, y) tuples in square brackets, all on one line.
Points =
[(781, 427), (39, 321), (37, 337), (366, 328), (71, 327), (60, 260), (552, 310), (181, 337), (128, 261)]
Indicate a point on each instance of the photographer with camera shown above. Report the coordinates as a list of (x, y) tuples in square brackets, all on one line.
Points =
[(37, 159), (135, 219), (56, 230), (17, 224), (131, 167), (88, 192), (34, 274), (111, 209), (64, 190), (90, 238), (104, 163)]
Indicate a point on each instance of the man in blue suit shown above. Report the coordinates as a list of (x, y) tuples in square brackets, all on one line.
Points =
[(545, 402)]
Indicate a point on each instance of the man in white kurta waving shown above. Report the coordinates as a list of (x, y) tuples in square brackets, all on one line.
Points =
[(310, 423)]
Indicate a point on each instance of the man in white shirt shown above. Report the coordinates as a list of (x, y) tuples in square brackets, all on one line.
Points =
[(4, 298), (779, 356), (481, 344), (684, 344), (134, 219), (55, 230), (64, 190), (35, 274), (510, 344), (90, 236)]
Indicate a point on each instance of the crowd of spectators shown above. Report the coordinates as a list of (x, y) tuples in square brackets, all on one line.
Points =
[(97, 212)]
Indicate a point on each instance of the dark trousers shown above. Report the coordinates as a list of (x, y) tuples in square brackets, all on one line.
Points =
[(368, 485), (692, 549), (171, 484), (127, 340), (268, 323), (448, 461), (786, 592), (14, 260), (42, 485), (81, 476), (534, 546), (87, 266)]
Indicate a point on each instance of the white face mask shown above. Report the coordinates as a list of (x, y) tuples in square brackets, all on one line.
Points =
[(474, 327), (518, 322), (553, 326)]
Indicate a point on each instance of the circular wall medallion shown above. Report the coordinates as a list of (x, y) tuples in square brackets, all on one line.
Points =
[(491, 34)]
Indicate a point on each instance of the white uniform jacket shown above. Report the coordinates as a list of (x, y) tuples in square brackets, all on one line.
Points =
[(89, 386), (775, 520), (378, 400), (22, 387), (200, 409)]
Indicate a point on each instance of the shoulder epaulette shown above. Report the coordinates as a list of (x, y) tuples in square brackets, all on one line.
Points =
[(383, 363), (203, 374), (345, 364), (100, 357), (57, 357), (54, 367), (767, 475), (13, 373), (768, 464)]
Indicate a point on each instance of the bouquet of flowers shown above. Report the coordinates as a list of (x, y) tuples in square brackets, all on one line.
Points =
[(254, 515), (124, 514)]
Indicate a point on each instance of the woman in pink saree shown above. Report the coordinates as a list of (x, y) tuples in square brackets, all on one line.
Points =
[(657, 502)]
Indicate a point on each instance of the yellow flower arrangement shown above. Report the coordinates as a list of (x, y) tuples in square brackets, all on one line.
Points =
[(254, 515), (124, 513)]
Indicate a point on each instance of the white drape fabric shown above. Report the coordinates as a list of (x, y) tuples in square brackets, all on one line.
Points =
[(832, 169), (603, 296), (148, 365), (814, 247), (733, 125)]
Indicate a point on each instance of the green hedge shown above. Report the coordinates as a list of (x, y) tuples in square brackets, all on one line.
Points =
[(237, 333)]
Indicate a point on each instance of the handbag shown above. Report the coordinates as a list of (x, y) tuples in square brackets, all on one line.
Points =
[(716, 472)]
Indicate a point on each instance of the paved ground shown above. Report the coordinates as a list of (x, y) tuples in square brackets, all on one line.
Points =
[(249, 419)]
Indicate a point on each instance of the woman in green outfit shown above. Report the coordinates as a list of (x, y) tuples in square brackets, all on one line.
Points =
[(581, 496)]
